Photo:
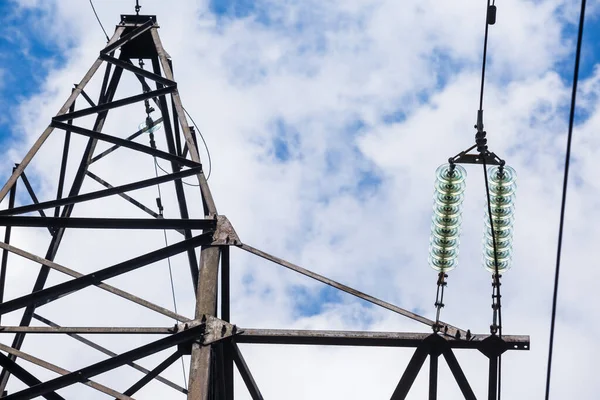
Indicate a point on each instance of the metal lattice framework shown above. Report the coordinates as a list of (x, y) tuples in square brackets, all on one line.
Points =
[(209, 337)]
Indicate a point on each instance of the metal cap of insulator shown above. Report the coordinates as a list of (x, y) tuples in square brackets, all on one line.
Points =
[(502, 183), (445, 223)]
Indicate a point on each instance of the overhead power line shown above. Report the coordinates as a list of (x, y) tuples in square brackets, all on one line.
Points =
[(564, 195)]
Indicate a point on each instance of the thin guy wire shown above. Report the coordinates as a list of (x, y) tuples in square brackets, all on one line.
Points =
[(101, 26), (564, 194), (485, 42), (166, 172), (170, 270), (203, 141)]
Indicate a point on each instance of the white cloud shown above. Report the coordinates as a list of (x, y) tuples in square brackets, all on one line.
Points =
[(321, 68)]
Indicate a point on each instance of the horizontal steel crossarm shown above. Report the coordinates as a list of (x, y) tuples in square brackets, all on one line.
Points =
[(108, 223), (110, 353), (25, 376), (88, 330), (451, 330), (124, 196), (125, 143), (109, 364), (114, 104), (47, 295), (364, 338), (128, 37), (108, 288), (138, 71), (102, 193), (130, 137), (61, 371)]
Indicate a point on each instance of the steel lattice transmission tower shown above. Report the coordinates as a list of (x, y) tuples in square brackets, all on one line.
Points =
[(209, 337)]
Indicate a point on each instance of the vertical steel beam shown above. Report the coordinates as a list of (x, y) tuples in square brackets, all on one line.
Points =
[(410, 373), (245, 372), (221, 384), (175, 120), (63, 163), (7, 231), (226, 316), (433, 376), (493, 379), (205, 304), (208, 201), (206, 299), (183, 210)]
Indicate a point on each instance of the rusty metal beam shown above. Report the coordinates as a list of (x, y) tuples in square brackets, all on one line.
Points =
[(109, 364), (89, 330), (94, 134), (153, 374), (109, 223), (45, 296), (459, 375), (179, 192), (62, 371), (366, 338), (109, 353), (451, 330), (411, 372), (245, 373), (130, 137), (110, 105), (101, 193), (206, 293), (107, 287), (7, 233), (25, 376), (125, 197)]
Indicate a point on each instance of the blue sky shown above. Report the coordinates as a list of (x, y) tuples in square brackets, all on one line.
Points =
[(25, 58), (26, 54)]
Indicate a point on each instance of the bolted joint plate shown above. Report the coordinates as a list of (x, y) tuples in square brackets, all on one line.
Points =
[(214, 331), (225, 234)]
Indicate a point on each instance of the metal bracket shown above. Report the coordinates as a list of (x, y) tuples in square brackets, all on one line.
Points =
[(464, 158), (225, 234), (215, 330)]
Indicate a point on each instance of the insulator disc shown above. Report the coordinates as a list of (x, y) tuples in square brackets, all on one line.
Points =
[(445, 224), (502, 182)]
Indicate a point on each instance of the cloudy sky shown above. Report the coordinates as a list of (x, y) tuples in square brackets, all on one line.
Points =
[(326, 121)]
